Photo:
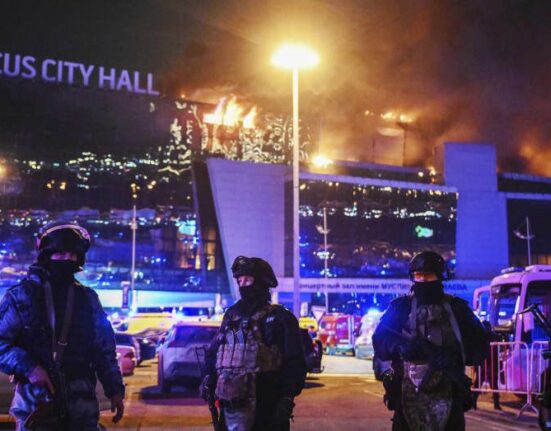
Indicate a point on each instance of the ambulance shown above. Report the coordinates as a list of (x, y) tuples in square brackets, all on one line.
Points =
[(337, 332)]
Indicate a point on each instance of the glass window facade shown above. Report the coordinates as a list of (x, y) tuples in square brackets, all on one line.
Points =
[(372, 231), (86, 155), (537, 212)]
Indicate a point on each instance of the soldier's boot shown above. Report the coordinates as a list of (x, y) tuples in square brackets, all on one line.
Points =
[(495, 397), (475, 396)]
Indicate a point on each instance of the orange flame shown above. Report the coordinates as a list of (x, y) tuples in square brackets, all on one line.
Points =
[(216, 117), (248, 120), (229, 114), (233, 111)]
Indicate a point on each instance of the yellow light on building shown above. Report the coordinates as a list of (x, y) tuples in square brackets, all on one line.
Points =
[(321, 161)]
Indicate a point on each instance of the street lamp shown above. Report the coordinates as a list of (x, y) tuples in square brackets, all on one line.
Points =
[(321, 161), (324, 230), (133, 228), (295, 57)]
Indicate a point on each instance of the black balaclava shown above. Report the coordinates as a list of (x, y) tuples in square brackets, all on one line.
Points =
[(255, 293), (428, 292), (62, 271)]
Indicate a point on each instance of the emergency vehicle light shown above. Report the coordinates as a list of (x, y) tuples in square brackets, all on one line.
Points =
[(512, 269)]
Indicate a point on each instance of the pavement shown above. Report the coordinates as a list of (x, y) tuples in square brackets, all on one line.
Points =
[(344, 397)]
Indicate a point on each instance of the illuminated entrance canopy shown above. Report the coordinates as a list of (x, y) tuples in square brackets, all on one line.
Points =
[(68, 72)]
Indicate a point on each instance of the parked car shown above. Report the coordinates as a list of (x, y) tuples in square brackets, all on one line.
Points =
[(150, 340), (337, 332), (363, 346), (178, 355), (123, 339), (128, 359)]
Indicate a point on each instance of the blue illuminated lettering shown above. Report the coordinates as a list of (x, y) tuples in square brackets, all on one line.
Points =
[(137, 88), (68, 72), (16, 66), (124, 81), (107, 78), (45, 66), (28, 65), (86, 73), (150, 89)]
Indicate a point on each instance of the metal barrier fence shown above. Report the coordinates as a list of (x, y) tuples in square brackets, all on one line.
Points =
[(514, 368)]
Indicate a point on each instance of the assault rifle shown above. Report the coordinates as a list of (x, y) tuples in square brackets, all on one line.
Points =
[(431, 352), (52, 414), (216, 417)]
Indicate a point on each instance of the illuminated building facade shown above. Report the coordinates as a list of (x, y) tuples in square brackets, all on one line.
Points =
[(211, 182)]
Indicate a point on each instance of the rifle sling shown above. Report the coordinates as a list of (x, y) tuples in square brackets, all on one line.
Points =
[(59, 347)]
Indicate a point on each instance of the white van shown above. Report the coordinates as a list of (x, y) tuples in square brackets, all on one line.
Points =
[(481, 301), (511, 293)]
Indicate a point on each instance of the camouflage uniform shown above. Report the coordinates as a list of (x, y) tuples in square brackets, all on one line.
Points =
[(25, 341), (429, 407), (438, 404), (257, 359)]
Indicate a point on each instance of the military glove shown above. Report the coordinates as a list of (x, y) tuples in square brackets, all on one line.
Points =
[(38, 376), (206, 389), (117, 405), (284, 410)]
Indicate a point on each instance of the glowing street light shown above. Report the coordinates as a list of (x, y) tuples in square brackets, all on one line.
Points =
[(295, 57)]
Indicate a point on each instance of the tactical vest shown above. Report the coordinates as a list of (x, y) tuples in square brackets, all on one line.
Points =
[(429, 407), (437, 323), (242, 355)]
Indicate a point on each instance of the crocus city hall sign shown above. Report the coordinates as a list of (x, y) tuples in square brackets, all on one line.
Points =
[(68, 72)]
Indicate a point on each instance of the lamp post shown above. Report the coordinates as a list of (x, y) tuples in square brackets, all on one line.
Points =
[(325, 231), (295, 57), (528, 237), (321, 161), (133, 228)]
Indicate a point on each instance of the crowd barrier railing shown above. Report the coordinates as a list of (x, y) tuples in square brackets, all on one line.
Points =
[(514, 368)]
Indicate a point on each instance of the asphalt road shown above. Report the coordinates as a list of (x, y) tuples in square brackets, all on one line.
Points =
[(344, 397)]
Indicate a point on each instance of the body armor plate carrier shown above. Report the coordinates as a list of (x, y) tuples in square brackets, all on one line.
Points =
[(242, 355)]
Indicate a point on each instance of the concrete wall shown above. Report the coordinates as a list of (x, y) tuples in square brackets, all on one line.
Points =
[(481, 237), (249, 202)]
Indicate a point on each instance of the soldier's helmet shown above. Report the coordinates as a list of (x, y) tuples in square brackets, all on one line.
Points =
[(61, 236), (428, 261), (256, 267)]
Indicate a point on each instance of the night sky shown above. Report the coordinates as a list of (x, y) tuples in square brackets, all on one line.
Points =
[(466, 70)]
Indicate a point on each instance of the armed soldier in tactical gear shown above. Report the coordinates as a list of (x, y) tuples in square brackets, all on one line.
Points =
[(256, 364), (55, 339), (429, 337)]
